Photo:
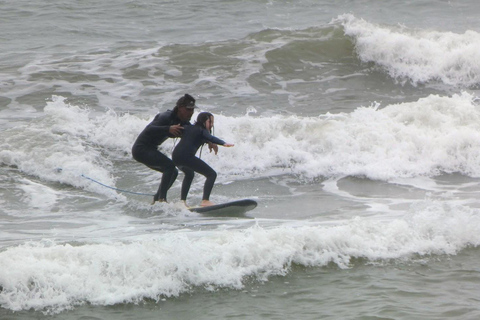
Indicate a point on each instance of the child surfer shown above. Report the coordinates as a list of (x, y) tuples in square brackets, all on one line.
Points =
[(184, 158)]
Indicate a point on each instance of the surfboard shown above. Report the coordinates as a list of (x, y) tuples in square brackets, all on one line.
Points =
[(228, 209)]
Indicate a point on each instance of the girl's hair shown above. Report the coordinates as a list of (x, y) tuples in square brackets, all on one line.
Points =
[(202, 118)]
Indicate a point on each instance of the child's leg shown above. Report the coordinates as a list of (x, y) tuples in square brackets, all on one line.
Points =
[(204, 169)]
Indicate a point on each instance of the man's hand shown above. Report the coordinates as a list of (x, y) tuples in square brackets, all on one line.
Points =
[(213, 147), (175, 130)]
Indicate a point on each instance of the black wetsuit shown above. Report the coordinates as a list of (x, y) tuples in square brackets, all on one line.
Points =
[(184, 158), (145, 149)]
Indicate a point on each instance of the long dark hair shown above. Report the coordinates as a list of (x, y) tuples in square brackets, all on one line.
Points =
[(202, 118)]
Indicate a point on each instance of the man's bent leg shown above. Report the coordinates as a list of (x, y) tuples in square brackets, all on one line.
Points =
[(169, 176), (157, 161), (187, 182)]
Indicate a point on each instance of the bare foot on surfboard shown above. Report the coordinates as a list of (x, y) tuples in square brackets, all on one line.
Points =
[(206, 203)]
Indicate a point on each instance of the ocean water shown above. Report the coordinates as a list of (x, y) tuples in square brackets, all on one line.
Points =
[(356, 127)]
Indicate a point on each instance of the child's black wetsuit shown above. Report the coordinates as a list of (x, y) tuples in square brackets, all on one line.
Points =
[(145, 150), (184, 158)]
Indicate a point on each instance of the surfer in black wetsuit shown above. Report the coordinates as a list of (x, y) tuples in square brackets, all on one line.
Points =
[(184, 155), (168, 124)]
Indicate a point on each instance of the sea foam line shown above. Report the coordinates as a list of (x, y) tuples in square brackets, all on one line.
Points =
[(53, 276)]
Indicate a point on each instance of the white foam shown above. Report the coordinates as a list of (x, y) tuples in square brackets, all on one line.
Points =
[(417, 56), (59, 147), (433, 135), (428, 137), (38, 196), (56, 276)]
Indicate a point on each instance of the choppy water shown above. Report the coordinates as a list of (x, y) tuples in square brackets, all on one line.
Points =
[(356, 128)]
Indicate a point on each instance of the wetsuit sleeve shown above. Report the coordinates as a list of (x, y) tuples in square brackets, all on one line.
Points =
[(154, 129), (160, 124), (207, 136)]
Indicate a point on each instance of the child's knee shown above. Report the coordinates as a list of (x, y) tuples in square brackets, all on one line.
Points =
[(212, 175)]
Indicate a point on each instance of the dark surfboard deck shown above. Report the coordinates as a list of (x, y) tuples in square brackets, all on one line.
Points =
[(227, 209)]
